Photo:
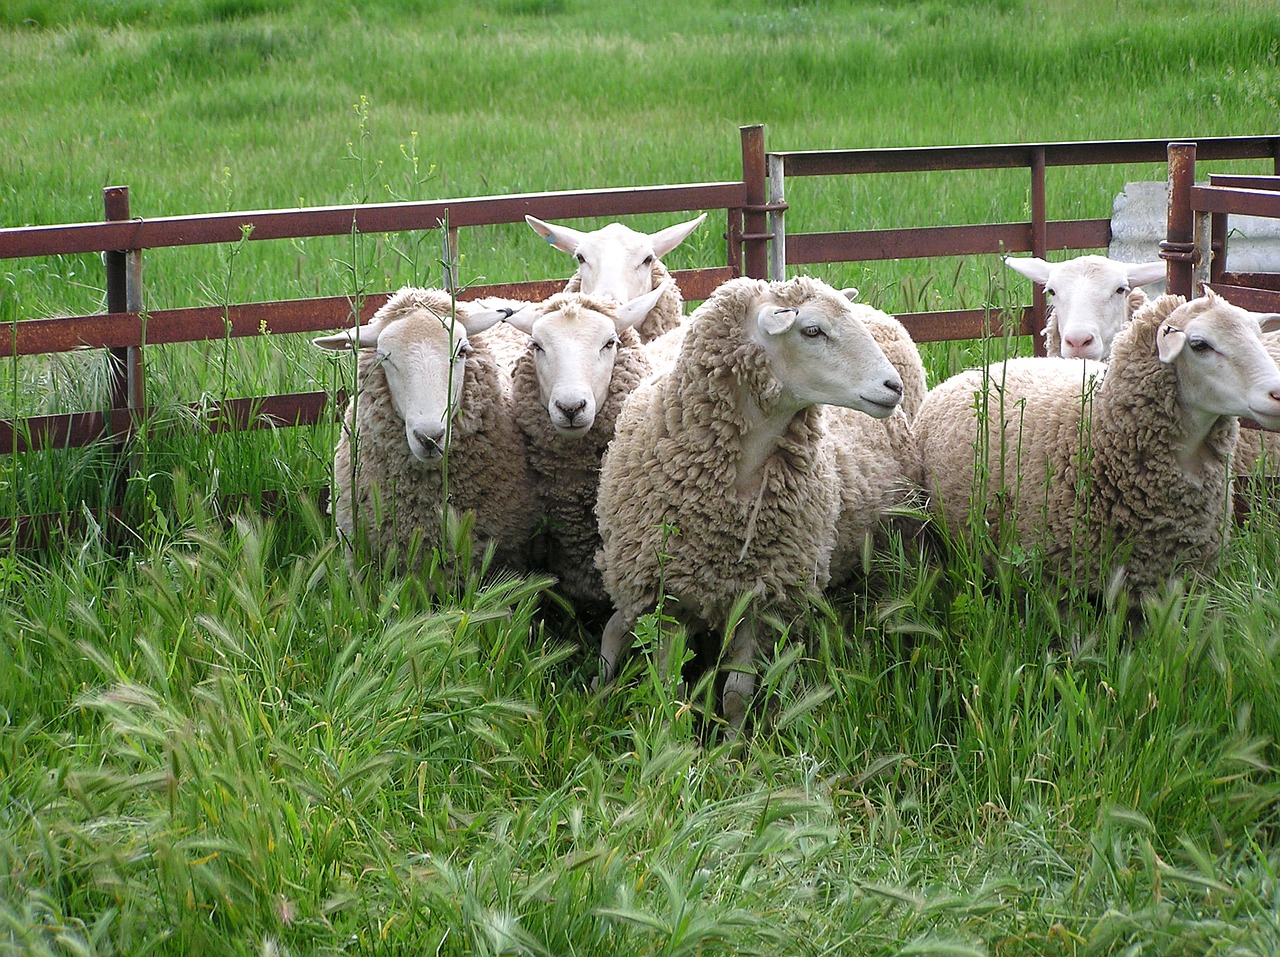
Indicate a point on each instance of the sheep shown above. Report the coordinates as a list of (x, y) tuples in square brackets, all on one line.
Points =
[(582, 359), (617, 261), (724, 477), (1092, 298), (1256, 450), (892, 337), (427, 390), (1118, 471)]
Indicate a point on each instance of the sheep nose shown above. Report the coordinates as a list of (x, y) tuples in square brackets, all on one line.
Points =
[(893, 385), (571, 412), (1078, 342), (427, 440)]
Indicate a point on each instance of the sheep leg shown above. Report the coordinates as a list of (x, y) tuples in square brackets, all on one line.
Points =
[(740, 682), (612, 644)]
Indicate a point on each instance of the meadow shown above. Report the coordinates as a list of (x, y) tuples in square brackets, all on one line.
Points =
[(215, 739)]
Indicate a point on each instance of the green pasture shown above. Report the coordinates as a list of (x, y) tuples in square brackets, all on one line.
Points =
[(215, 739)]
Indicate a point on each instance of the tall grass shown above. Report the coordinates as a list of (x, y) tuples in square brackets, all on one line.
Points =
[(215, 739)]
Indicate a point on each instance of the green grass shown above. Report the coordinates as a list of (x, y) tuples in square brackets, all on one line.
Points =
[(215, 739)]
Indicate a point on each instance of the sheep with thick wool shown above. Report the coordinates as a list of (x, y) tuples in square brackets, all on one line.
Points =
[(1121, 468), (900, 349), (1091, 298), (430, 397), (582, 359), (624, 264), (731, 474)]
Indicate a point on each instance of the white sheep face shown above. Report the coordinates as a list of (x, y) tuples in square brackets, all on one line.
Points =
[(615, 261), (575, 345), (1090, 295), (822, 353), (422, 351), (1223, 366)]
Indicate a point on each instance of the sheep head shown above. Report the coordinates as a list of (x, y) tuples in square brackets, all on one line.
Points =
[(421, 342), (820, 351), (1091, 297), (1222, 364), (615, 261), (575, 343)]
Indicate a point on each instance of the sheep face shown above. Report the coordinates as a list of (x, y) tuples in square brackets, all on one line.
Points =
[(822, 353), (1090, 295), (575, 342), (615, 261), (1222, 364), (422, 352)]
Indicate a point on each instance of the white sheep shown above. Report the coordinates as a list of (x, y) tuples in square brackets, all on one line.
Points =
[(581, 361), (724, 478), (619, 262), (1112, 469), (1258, 451), (1091, 299), (429, 396)]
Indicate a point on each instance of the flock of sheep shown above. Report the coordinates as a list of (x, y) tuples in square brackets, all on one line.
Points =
[(754, 447)]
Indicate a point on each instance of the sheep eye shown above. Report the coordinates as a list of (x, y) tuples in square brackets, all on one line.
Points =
[(537, 346), (464, 349), (1048, 291), (1198, 345), (812, 332), (1122, 290), (611, 344), (648, 261), (582, 260)]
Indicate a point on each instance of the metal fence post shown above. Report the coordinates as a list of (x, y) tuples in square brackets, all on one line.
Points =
[(777, 218), (1039, 248), (127, 375), (755, 236), (1178, 248)]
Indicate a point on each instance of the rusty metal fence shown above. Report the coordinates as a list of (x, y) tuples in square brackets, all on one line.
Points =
[(1038, 236), (757, 244)]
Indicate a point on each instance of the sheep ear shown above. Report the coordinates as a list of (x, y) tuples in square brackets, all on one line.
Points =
[(1037, 270), (850, 293), (1268, 321), (634, 312), (1139, 274), (1169, 342), (561, 237), (776, 320), (522, 319), (665, 240), (361, 337), (488, 315)]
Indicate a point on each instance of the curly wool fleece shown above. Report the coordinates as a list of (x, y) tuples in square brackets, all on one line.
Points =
[(1122, 501), (670, 519)]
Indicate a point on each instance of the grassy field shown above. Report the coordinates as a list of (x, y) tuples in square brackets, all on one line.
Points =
[(214, 740)]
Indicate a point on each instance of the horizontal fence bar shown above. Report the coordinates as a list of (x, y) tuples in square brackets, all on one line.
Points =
[(930, 241), (1244, 182), (963, 324), (229, 227), (198, 323), (1012, 156), (1250, 297), (1256, 280), (1246, 202), (78, 429)]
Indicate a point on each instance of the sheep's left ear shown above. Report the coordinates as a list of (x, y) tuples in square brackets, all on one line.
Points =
[(563, 238), (850, 293), (776, 320), (361, 337), (665, 240), (489, 313), (1169, 342), (1268, 321), (633, 313)]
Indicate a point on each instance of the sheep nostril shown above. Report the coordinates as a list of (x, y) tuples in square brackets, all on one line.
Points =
[(893, 385), (426, 440), (571, 411)]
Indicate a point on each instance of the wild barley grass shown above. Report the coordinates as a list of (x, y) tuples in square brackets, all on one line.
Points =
[(214, 738)]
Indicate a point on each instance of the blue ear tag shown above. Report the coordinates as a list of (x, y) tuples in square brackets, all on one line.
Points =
[(550, 240)]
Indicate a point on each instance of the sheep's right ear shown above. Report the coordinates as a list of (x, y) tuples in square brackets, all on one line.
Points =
[(1268, 321), (523, 319), (665, 240), (1169, 342), (1037, 270), (775, 320), (563, 238), (1139, 274), (361, 337), (850, 293)]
